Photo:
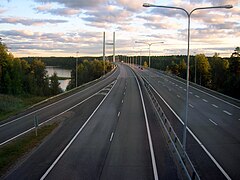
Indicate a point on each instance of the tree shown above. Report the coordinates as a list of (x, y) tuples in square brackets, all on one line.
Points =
[(233, 76), (54, 84), (182, 69), (236, 52), (203, 70), (145, 65), (219, 69)]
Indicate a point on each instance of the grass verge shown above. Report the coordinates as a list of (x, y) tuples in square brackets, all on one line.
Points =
[(11, 105), (12, 152)]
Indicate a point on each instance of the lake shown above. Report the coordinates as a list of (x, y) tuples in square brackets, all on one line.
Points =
[(60, 73)]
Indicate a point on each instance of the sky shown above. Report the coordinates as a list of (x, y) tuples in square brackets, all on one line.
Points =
[(64, 27)]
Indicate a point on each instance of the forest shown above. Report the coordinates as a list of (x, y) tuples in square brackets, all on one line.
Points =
[(29, 76), (216, 73)]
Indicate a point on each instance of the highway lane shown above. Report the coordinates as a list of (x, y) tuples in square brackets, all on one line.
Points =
[(214, 122), (35, 165), (112, 132), (24, 123)]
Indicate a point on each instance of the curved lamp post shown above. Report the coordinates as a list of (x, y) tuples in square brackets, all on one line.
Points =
[(149, 49), (188, 15)]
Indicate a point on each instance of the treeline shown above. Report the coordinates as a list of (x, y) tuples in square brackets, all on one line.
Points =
[(18, 77), (62, 62), (219, 74), (88, 71)]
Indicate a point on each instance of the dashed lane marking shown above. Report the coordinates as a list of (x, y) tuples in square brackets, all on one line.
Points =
[(205, 100), (190, 92), (111, 137), (213, 122), (119, 113), (178, 96), (228, 113), (214, 105), (197, 96), (191, 105)]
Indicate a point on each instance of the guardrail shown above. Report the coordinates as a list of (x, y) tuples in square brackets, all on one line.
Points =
[(174, 142)]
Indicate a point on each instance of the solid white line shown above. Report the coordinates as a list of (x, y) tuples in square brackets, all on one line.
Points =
[(205, 100), (16, 136), (228, 113), (195, 137), (119, 113), (155, 173), (196, 96), (205, 92), (75, 136), (214, 105), (111, 137), (191, 105), (213, 122), (52, 103), (49, 119)]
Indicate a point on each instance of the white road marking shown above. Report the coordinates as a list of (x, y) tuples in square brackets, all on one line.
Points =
[(191, 105), (50, 118), (196, 96), (122, 101), (119, 113), (185, 90), (176, 85), (173, 83), (111, 137), (213, 122), (155, 173), (169, 89), (181, 87), (195, 137), (228, 113), (205, 100), (52, 103), (214, 105), (190, 92), (178, 96), (73, 139)]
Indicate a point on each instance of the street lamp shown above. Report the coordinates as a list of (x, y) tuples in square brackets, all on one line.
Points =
[(188, 15), (76, 67), (149, 49)]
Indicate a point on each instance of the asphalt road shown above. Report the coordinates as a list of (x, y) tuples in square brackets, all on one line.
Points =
[(105, 137), (47, 112), (214, 121)]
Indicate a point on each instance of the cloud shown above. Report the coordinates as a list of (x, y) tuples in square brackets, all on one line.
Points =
[(2, 10), (76, 3), (29, 22), (22, 40), (111, 15), (57, 11)]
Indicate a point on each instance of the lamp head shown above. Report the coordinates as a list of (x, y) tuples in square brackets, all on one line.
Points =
[(146, 5), (228, 6)]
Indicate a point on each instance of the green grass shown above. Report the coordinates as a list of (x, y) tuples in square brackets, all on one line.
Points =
[(12, 152), (11, 105)]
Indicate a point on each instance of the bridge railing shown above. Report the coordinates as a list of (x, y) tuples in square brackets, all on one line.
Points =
[(174, 143)]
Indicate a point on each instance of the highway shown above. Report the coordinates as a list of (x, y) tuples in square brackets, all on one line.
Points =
[(48, 111), (108, 131), (213, 139)]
